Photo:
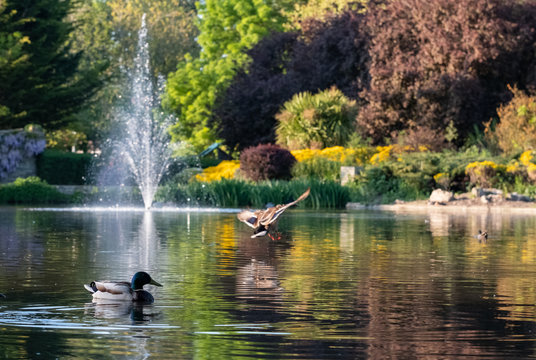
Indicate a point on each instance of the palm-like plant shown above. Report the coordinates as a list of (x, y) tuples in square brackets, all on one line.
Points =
[(316, 121)]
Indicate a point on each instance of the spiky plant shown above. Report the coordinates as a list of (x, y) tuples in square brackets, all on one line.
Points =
[(316, 121)]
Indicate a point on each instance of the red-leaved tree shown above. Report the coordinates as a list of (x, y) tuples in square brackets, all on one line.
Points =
[(442, 61)]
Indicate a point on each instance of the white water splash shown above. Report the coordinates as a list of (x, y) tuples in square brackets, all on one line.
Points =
[(144, 142)]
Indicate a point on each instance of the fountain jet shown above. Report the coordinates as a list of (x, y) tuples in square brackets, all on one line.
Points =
[(144, 141)]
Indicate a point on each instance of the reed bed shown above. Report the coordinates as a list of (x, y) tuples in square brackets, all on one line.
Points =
[(239, 193)]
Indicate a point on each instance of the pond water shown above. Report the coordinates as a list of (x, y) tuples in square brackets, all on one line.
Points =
[(343, 284)]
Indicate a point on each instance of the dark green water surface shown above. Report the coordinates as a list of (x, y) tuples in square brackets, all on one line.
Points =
[(352, 285)]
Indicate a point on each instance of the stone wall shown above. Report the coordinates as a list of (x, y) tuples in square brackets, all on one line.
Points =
[(27, 167)]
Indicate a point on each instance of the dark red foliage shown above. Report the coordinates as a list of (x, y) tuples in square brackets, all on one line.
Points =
[(244, 114), (266, 162), (332, 52), (282, 64), (433, 62)]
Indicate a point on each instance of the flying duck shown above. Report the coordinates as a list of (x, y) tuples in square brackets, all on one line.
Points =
[(265, 220)]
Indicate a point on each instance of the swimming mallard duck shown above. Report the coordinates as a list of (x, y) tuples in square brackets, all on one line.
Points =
[(123, 290), (482, 235), (265, 220)]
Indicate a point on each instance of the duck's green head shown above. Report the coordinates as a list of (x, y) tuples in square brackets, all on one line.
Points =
[(142, 278)]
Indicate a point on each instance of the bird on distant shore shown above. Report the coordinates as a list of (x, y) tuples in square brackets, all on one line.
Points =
[(264, 221), (123, 290), (482, 236)]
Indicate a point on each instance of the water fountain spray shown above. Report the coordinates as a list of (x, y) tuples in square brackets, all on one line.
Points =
[(145, 141)]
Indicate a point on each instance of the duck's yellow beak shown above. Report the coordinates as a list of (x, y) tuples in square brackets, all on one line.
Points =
[(154, 283)]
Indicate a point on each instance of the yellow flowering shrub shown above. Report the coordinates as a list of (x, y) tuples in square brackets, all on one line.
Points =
[(442, 179), (383, 153), (423, 148), (224, 170), (514, 167), (526, 158), (304, 154), (481, 165), (484, 173), (356, 156)]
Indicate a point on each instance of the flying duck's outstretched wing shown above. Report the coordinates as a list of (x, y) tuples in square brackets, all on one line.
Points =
[(248, 217), (271, 215)]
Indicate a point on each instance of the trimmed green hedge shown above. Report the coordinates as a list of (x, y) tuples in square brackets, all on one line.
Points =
[(63, 168)]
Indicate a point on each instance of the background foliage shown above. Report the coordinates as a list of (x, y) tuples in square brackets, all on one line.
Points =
[(266, 162), (316, 121), (106, 32), (516, 130), (41, 81), (227, 28), (31, 190), (322, 54), (63, 168), (438, 62)]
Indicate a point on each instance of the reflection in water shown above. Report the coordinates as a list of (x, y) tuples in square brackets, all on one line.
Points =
[(337, 285), (257, 275), (439, 224), (136, 313), (256, 279), (347, 235), (147, 236)]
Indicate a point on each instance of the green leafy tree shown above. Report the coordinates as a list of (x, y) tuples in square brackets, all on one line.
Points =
[(227, 29), (40, 79)]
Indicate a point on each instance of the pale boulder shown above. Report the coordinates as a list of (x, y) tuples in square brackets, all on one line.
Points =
[(439, 196)]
